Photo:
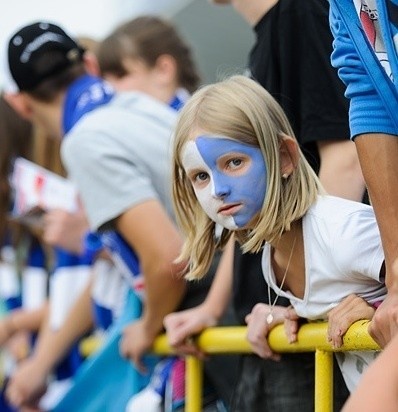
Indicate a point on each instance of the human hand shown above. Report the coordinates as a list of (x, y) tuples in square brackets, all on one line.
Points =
[(384, 324), (258, 329), (19, 345), (180, 326), (136, 340), (292, 324), (27, 384), (6, 329), (65, 230), (348, 311)]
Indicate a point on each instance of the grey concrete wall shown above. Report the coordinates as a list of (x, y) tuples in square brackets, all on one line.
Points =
[(220, 38)]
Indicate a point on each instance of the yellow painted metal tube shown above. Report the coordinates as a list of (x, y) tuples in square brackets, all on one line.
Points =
[(311, 336), (193, 384), (89, 345), (232, 339), (323, 381)]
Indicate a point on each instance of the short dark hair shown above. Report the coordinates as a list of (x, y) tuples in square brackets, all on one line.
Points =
[(147, 38)]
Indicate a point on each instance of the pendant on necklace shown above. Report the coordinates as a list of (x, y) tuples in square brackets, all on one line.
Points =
[(269, 318)]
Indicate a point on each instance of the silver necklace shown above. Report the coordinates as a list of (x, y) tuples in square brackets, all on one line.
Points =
[(270, 316)]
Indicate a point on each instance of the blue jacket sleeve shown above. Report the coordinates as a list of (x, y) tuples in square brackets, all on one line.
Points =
[(368, 113)]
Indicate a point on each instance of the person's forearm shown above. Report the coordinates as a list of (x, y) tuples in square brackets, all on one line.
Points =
[(340, 172), (153, 237), (378, 154), (30, 320), (163, 293), (53, 345)]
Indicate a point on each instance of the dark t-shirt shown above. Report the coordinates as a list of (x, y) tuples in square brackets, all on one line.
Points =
[(197, 290), (291, 59)]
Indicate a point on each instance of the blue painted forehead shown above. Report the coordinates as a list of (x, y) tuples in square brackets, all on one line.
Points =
[(214, 146)]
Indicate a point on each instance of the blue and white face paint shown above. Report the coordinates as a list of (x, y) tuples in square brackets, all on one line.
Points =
[(229, 179)]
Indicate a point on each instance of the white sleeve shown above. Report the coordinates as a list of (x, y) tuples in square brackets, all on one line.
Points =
[(356, 246)]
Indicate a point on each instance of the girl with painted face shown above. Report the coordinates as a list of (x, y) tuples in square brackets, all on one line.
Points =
[(237, 166)]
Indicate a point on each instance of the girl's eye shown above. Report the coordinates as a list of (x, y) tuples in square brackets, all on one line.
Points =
[(235, 163), (201, 177)]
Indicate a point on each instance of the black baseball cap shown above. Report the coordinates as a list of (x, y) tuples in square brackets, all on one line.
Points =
[(39, 51)]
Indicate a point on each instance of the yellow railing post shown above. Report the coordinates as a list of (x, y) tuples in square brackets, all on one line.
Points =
[(193, 384), (323, 381)]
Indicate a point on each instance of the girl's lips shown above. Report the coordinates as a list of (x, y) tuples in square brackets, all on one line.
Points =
[(229, 209)]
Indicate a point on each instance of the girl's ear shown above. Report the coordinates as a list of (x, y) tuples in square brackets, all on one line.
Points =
[(289, 155)]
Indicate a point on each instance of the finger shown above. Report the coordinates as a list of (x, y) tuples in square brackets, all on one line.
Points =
[(291, 314), (174, 338), (124, 349), (265, 352), (291, 328), (181, 334), (170, 322), (379, 335), (14, 396), (139, 365), (338, 325), (336, 339), (256, 336), (190, 349)]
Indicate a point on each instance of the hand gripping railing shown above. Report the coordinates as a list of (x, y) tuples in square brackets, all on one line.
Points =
[(312, 337)]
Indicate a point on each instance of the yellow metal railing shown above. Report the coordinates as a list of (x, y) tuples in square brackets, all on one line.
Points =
[(312, 337)]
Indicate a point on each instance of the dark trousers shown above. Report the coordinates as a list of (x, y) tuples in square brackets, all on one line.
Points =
[(285, 386)]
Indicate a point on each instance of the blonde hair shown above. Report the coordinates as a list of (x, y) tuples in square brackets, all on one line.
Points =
[(242, 110)]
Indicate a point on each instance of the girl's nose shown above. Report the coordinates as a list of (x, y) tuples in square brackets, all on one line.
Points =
[(221, 190)]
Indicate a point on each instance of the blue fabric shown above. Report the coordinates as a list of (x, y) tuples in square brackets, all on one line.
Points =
[(374, 97), (106, 381), (13, 302), (116, 244), (92, 245), (68, 366), (125, 259), (36, 257), (65, 259), (4, 405), (161, 374), (103, 317), (84, 95), (176, 103)]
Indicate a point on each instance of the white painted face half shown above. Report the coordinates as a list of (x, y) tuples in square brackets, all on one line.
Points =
[(229, 179)]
